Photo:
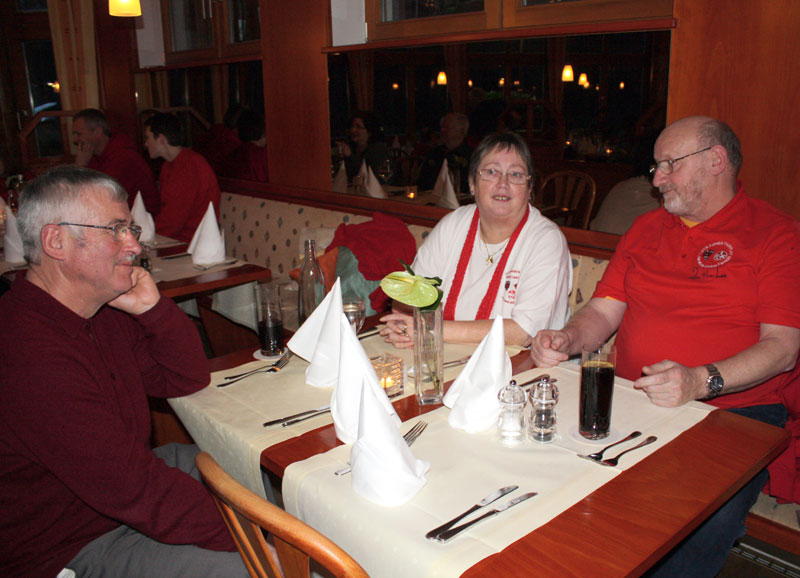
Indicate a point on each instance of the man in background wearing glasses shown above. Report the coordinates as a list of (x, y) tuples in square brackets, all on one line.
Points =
[(704, 293), (85, 337)]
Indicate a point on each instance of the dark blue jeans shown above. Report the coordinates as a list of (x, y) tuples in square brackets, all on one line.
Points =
[(704, 551)]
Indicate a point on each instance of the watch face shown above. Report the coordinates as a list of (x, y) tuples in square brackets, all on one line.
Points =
[(715, 384)]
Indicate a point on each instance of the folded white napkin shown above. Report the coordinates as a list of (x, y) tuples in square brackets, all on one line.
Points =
[(447, 195), (384, 469), (208, 244), (12, 242), (362, 173), (355, 373), (472, 398), (374, 188), (318, 340), (144, 219), (340, 180)]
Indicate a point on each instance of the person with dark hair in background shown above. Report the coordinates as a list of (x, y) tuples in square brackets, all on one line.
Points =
[(187, 181), (365, 144), (221, 139), (85, 339), (249, 160), (114, 154)]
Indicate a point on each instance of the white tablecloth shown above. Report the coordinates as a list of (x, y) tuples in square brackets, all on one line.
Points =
[(464, 469), (228, 422)]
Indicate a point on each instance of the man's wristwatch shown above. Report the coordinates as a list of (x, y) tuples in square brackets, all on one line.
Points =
[(714, 383)]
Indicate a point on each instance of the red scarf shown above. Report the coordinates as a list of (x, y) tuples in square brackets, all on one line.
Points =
[(466, 252)]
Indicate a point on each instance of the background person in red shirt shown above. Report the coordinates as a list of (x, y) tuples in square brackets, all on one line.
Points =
[(115, 155), (704, 294), (187, 181)]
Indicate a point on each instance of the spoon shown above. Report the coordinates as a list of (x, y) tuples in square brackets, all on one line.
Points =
[(615, 460), (597, 456)]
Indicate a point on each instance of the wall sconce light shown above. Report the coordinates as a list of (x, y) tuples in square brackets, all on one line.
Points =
[(124, 8), (622, 85), (567, 75), (469, 83), (583, 80), (501, 82), (395, 86), (441, 79)]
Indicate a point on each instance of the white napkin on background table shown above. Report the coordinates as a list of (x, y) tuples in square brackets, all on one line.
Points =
[(355, 373), (340, 180), (472, 398), (384, 469), (374, 187), (318, 339), (444, 189), (144, 219), (208, 243), (12, 242)]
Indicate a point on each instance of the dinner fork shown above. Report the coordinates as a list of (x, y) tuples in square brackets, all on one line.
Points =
[(274, 368), (283, 356), (410, 436), (597, 456), (615, 460), (220, 264)]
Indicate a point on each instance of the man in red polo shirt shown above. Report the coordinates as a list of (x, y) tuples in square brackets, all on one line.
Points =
[(115, 155), (704, 294)]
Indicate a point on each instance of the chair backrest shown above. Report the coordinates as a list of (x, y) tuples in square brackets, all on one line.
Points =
[(296, 543), (573, 190)]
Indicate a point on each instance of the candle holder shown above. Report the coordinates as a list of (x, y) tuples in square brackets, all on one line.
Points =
[(389, 369)]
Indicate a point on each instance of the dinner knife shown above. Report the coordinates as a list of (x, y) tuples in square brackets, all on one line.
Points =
[(496, 495), (450, 534), (315, 413), (296, 415)]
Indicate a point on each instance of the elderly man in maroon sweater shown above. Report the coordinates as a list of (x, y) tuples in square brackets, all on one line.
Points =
[(85, 337)]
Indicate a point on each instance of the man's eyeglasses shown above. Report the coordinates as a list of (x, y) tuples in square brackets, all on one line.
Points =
[(119, 230), (514, 177), (668, 165)]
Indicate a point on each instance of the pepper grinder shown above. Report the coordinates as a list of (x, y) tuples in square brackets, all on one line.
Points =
[(511, 423), (544, 397)]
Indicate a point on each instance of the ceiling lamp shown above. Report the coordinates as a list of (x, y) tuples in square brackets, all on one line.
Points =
[(567, 75), (124, 8), (583, 80), (441, 79)]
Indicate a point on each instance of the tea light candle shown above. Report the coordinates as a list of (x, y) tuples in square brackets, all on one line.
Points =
[(389, 369)]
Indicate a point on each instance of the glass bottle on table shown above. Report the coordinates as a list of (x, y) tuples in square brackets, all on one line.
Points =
[(311, 283)]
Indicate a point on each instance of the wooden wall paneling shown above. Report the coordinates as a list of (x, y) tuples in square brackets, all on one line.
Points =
[(737, 61), (296, 92)]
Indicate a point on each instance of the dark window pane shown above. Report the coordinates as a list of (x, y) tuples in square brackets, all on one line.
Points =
[(31, 5), (394, 10), (42, 84)]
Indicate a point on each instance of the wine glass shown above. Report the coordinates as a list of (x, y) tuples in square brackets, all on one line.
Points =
[(385, 171), (355, 311)]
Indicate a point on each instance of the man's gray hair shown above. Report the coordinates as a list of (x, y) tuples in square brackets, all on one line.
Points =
[(94, 118), (715, 132), (59, 195)]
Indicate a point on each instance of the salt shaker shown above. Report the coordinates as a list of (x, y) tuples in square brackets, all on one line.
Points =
[(544, 397), (511, 423)]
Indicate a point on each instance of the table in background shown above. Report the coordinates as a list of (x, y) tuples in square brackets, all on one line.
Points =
[(628, 524)]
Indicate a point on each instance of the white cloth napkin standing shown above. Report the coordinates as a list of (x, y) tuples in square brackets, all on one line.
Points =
[(362, 173), (384, 469), (318, 340), (472, 398), (12, 242), (340, 180), (143, 218), (374, 187), (444, 189), (208, 243), (355, 374)]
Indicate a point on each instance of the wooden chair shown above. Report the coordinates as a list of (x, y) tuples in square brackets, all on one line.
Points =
[(296, 543), (574, 191)]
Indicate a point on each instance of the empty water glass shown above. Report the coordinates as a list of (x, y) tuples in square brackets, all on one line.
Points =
[(355, 311)]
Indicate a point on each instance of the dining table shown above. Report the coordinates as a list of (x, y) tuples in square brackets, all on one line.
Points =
[(621, 527)]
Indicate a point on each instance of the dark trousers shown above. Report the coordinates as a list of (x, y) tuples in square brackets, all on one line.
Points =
[(704, 551)]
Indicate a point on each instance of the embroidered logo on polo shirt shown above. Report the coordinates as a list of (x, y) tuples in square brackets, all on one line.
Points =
[(715, 255), (510, 287)]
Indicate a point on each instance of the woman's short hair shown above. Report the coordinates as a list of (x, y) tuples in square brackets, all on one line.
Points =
[(56, 196), (501, 141)]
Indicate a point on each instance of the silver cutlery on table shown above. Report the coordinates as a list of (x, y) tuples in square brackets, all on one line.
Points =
[(220, 264), (611, 462), (597, 456), (410, 436), (289, 422), (286, 354), (449, 534), (494, 496), (296, 415), (369, 333), (274, 368), (176, 256)]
